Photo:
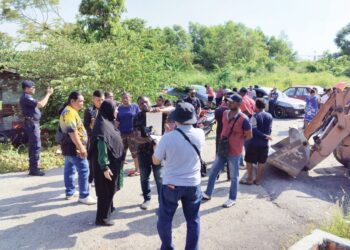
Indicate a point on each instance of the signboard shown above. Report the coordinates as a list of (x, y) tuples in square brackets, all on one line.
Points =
[(155, 120)]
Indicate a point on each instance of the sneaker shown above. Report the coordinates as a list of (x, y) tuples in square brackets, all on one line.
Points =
[(88, 200), (205, 197), (229, 203), (69, 197), (36, 173), (145, 205)]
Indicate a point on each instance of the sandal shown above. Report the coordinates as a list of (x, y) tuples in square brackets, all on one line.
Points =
[(131, 173), (245, 182), (137, 173), (257, 183)]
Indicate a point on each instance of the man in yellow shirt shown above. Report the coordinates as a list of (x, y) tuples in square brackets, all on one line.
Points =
[(73, 145)]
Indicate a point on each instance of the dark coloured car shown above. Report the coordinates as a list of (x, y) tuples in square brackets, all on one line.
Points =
[(181, 93), (301, 92), (286, 106)]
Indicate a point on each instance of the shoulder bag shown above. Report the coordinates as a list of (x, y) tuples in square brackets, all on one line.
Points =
[(223, 146), (203, 163)]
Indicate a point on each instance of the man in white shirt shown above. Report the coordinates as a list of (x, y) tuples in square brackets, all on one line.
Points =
[(181, 175), (326, 96)]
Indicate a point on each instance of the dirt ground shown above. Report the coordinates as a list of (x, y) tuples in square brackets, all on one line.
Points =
[(35, 215)]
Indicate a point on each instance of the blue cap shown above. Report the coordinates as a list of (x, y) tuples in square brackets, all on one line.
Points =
[(27, 84), (184, 113), (235, 98)]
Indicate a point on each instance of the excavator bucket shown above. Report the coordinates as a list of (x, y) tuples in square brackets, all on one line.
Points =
[(291, 154)]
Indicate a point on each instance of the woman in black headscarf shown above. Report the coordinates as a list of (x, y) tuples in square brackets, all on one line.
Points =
[(105, 154)]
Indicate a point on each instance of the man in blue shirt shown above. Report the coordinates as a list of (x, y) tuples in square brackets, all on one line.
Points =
[(31, 113), (258, 146)]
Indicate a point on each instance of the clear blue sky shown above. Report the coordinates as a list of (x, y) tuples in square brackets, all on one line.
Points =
[(311, 25)]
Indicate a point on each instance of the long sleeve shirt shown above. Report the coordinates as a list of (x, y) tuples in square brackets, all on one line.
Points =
[(102, 159)]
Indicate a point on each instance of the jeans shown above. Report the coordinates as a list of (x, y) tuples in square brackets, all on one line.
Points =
[(32, 129), (191, 200), (146, 166), (241, 160), (71, 164), (218, 165)]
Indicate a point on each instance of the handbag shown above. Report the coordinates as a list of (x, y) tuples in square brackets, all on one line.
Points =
[(203, 163), (223, 146)]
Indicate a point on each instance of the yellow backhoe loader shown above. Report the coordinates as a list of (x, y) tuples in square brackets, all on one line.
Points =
[(328, 132)]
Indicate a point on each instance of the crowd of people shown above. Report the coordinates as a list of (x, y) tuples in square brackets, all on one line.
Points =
[(95, 147)]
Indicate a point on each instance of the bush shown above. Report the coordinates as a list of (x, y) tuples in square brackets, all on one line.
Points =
[(118, 66), (16, 159), (339, 225)]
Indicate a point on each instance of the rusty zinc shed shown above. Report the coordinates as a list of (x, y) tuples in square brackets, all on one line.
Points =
[(10, 91)]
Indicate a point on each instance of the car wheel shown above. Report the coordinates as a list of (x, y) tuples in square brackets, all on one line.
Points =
[(279, 112)]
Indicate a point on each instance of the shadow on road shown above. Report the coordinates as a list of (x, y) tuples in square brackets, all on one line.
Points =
[(148, 226), (331, 184), (59, 232), (31, 203)]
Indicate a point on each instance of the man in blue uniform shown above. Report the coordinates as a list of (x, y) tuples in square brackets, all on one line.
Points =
[(31, 113)]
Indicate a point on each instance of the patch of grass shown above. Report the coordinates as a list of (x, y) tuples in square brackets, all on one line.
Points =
[(338, 225), (16, 159), (282, 78)]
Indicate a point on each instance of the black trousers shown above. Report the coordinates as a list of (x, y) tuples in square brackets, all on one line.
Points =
[(105, 190)]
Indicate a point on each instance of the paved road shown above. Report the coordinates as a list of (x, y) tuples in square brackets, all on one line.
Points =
[(34, 214)]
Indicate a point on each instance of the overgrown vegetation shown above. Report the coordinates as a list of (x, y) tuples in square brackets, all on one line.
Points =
[(338, 225), (101, 50), (16, 159)]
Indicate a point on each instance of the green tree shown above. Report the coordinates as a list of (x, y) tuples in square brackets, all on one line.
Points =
[(342, 40), (178, 37), (35, 17), (6, 42), (228, 44), (279, 50), (100, 19)]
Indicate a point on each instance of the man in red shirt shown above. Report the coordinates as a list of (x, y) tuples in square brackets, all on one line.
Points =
[(248, 108), (248, 104), (237, 129)]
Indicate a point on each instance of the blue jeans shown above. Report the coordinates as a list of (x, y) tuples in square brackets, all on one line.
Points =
[(191, 200), (146, 167), (218, 165), (71, 164)]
